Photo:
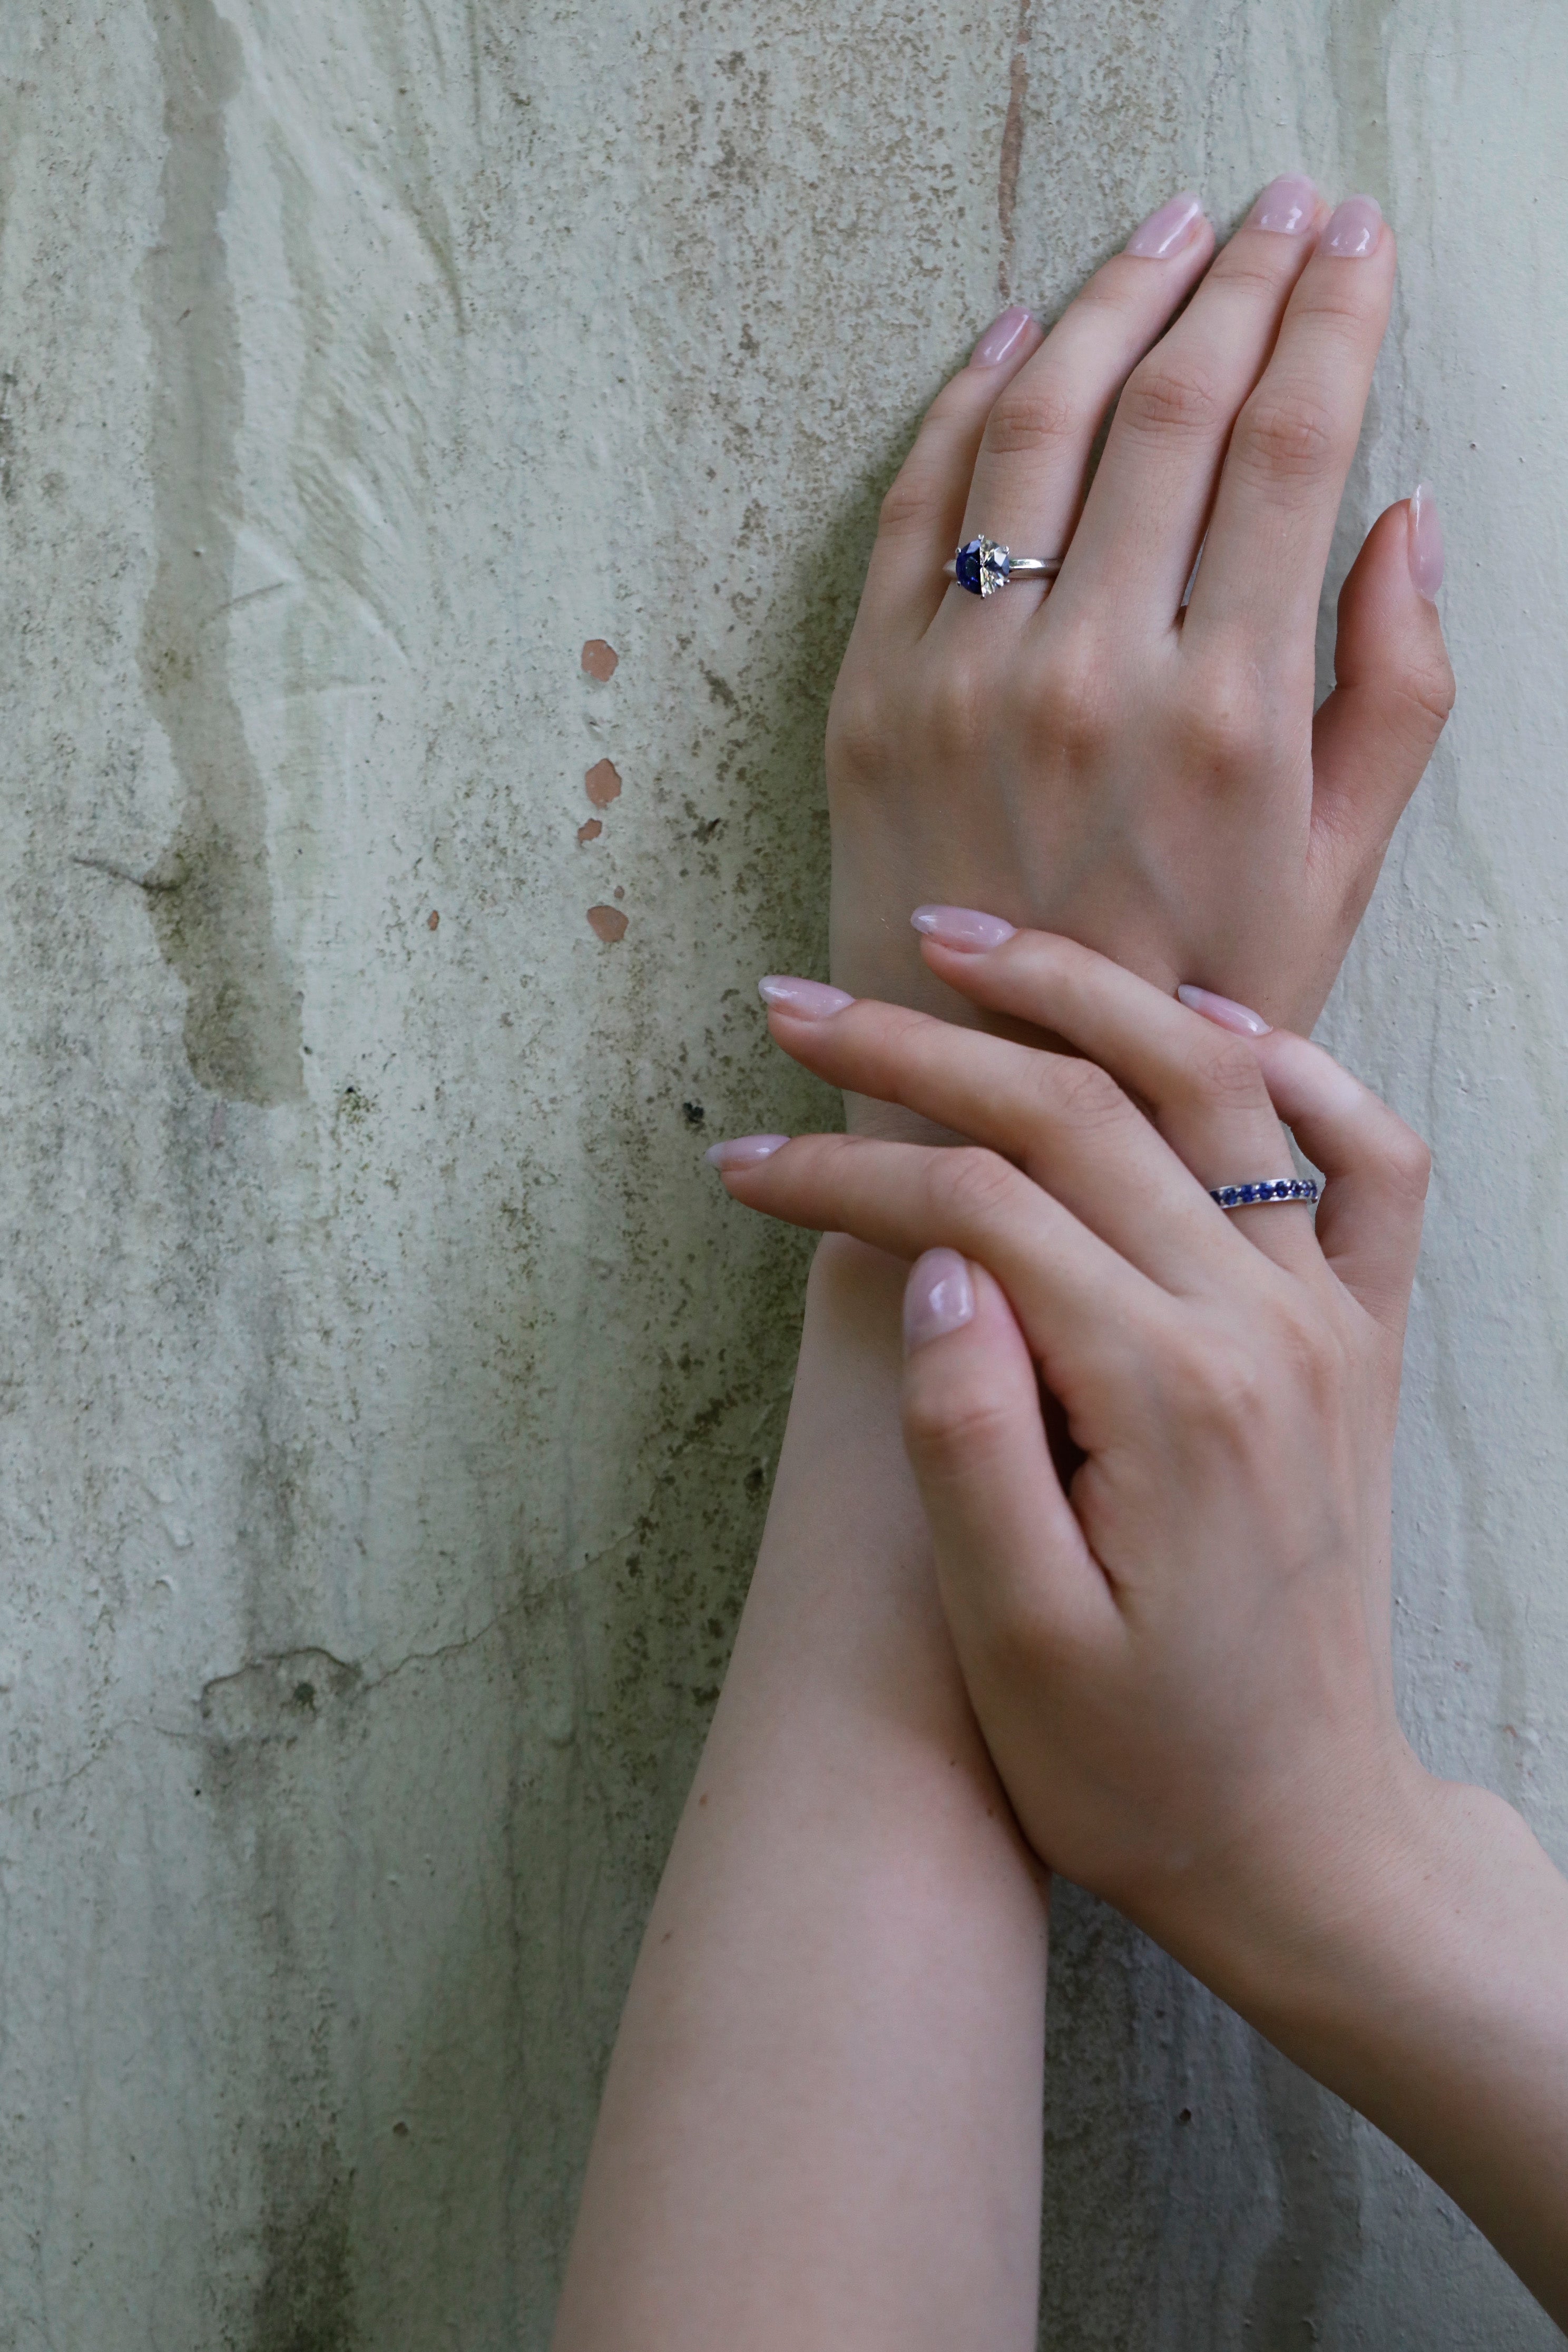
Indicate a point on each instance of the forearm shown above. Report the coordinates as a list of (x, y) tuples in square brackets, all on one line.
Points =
[(822, 2117), (1428, 1987)]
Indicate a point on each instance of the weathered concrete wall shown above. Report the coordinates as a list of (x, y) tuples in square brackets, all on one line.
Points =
[(388, 1406)]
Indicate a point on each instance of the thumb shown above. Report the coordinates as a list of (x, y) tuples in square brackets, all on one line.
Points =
[(1014, 1569), (1375, 732)]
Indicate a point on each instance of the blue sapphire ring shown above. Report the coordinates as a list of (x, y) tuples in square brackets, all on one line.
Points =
[(985, 569), (1268, 1188)]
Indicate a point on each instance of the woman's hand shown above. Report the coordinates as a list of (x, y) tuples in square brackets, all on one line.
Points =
[(1180, 1659), (1177, 1646), (1096, 760)]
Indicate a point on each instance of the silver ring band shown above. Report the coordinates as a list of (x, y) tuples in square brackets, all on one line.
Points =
[(1265, 1191), (984, 567)]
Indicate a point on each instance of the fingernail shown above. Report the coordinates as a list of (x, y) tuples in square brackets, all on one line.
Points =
[(808, 1000), (1286, 205), (1354, 228), (1001, 337), (1224, 1010), (744, 1151), (963, 928), (1165, 232), (938, 1296), (1425, 541)]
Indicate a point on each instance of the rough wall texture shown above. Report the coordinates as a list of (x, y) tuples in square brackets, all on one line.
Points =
[(387, 1407)]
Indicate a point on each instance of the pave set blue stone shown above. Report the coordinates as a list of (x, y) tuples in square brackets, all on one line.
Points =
[(986, 568), (1270, 1189)]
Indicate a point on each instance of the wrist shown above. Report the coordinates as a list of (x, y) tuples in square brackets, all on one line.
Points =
[(1401, 1953)]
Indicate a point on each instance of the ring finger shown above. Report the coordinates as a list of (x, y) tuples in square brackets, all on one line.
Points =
[(1065, 1122), (1201, 1086)]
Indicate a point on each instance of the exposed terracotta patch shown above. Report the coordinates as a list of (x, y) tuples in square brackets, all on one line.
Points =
[(435, 921), (600, 660), (589, 832), (608, 923), (604, 783), (618, 893)]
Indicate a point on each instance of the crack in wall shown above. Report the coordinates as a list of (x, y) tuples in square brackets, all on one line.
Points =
[(210, 896)]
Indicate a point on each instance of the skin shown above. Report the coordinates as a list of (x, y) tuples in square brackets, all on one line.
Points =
[(1181, 1657), (822, 2117)]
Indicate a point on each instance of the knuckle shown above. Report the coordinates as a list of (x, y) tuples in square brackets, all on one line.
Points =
[(974, 1186), (1032, 417), (1224, 720), (1081, 1092), (1166, 399), (910, 502), (956, 1429), (957, 701), (1222, 1073), (1287, 437), (1431, 688), (856, 726), (1407, 1160), (1218, 1381), (1073, 710)]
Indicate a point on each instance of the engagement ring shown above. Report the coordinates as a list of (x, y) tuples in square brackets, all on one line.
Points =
[(985, 569)]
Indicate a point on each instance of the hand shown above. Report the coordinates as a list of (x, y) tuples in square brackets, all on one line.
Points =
[(1181, 1662), (1180, 1657), (1095, 761)]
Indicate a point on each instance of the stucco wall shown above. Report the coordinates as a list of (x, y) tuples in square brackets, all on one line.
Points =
[(388, 1404)]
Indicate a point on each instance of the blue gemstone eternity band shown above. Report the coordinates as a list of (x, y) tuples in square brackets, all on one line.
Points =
[(1271, 1188), (985, 569)]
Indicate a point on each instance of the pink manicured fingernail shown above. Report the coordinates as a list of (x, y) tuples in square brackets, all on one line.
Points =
[(963, 928), (1167, 231), (1425, 541), (939, 1297), (744, 1151), (1224, 1010), (808, 1000), (1354, 228), (1001, 337), (1286, 205)]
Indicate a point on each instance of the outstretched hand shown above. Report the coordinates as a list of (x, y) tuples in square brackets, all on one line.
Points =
[(1100, 761)]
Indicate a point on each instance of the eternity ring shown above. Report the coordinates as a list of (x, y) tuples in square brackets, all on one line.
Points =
[(984, 568), (1272, 1188)]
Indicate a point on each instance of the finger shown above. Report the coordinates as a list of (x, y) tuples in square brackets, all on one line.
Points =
[(919, 526), (1200, 1087), (1034, 457), (1011, 1557), (1368, 1224), (1284, 473), (1064, 1121), (1084, 1310), (1375, 732), (1146, 513)]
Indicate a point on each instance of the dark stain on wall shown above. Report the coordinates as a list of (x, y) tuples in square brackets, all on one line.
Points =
[(210, 896), (305, 2301)]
